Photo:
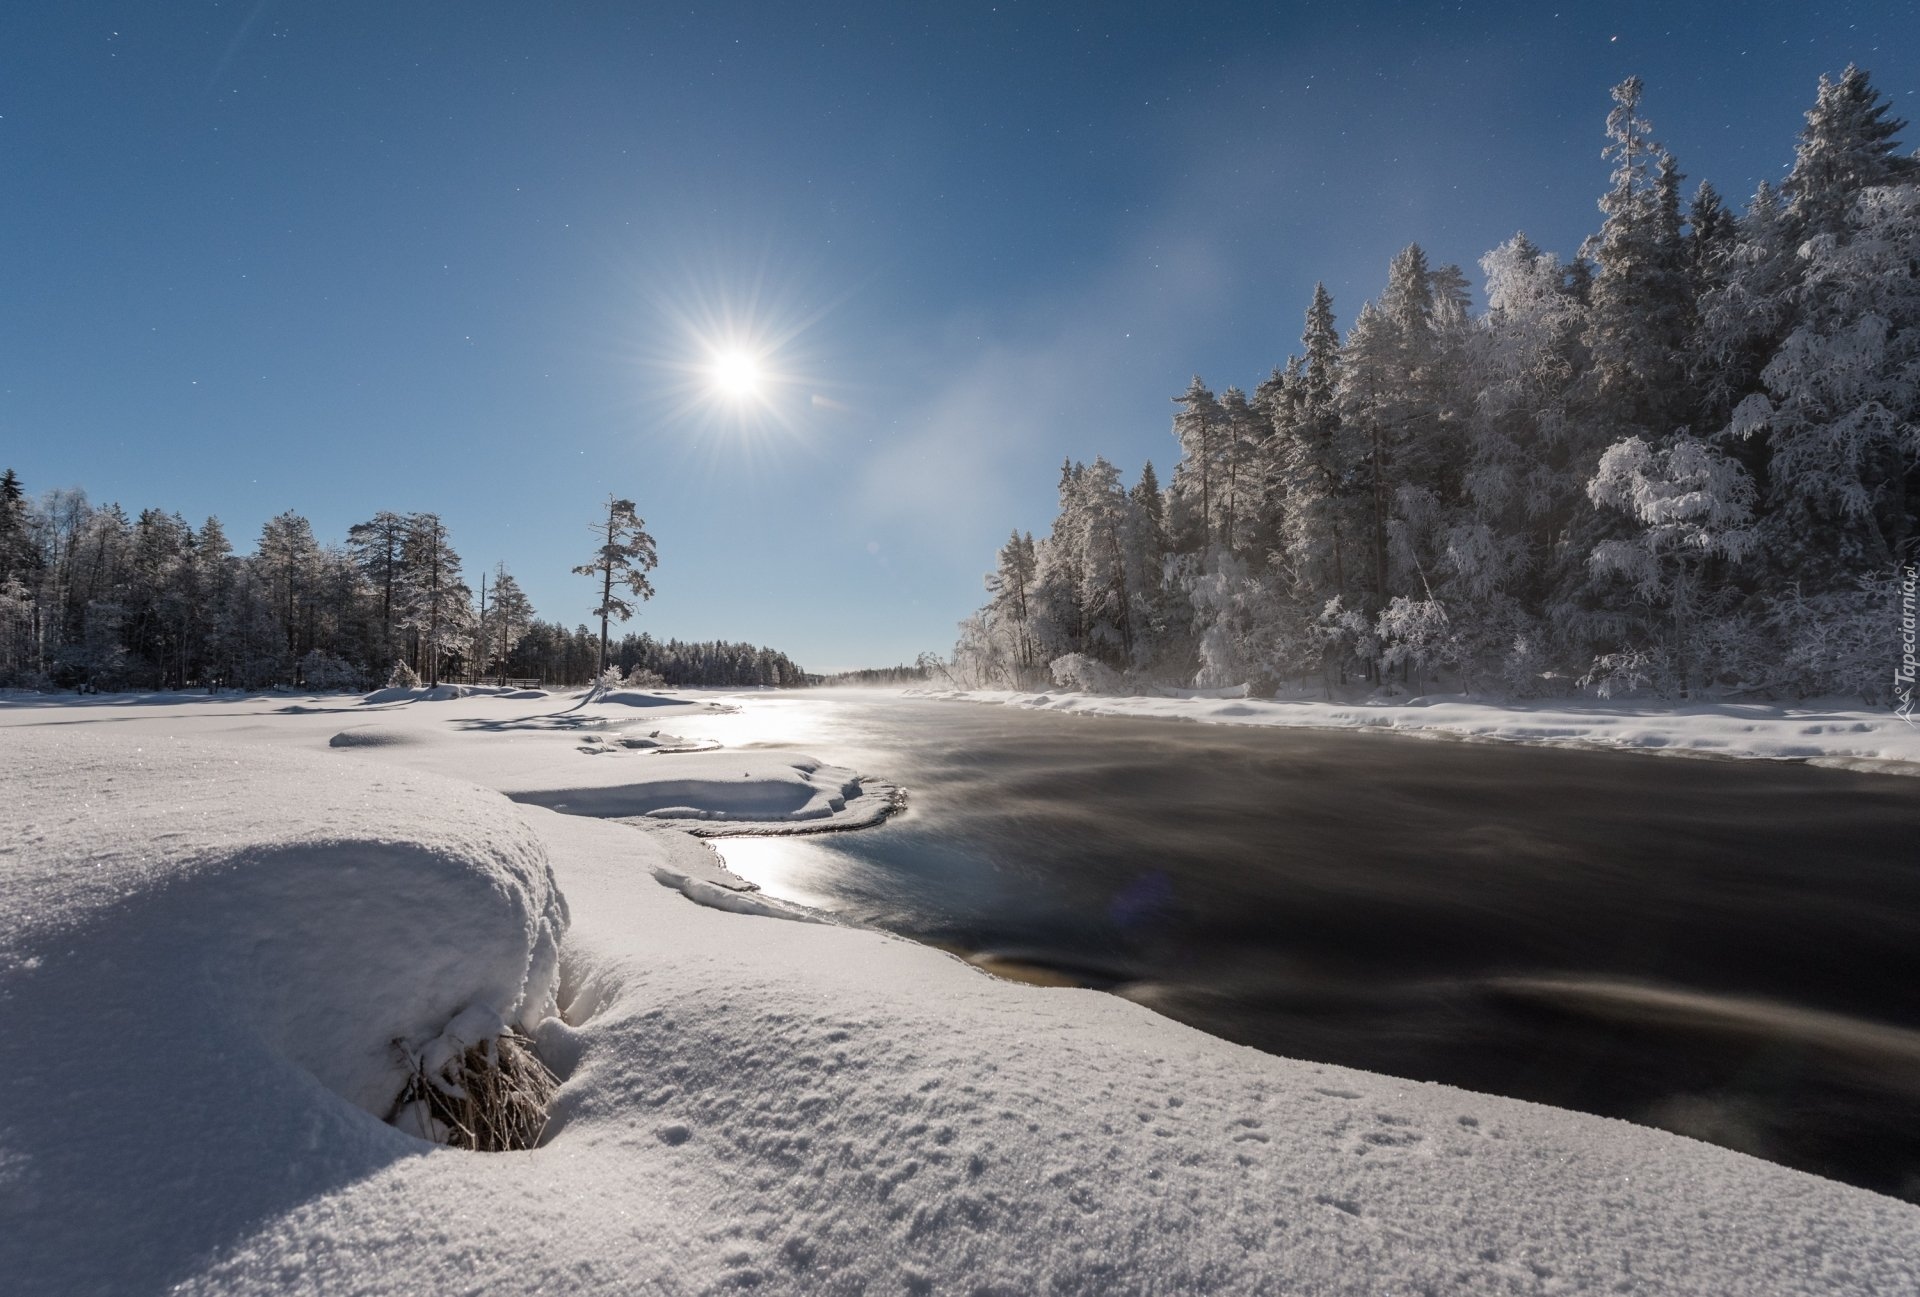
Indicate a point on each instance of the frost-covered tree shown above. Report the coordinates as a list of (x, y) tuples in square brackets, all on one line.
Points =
[(1691, 507), (1849, 145), (437, 603), (1104, 594), (1746, 310), (377, 545), (214, 579), (1640, 307), (1198, 430), (626, 554), (1241, 441), (287, 556), (1314, 467), (1372, 404), (1840, 413), (1144, 543), (1011, 586), (14, 545), (504, 623), (1058, 617)]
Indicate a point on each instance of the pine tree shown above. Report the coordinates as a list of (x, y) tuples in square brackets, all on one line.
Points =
[(1746, 314), (1639, 311), (286, 556), (1521, 486), (1242, 439), (1100, 539), (1848, 146), (213, 581), (512, 612), (1059, 617), (626, 554), (1691, 506), (1315, 464), (1840, 414), (1712, 235), (1011, 585), (436, 603), (1370, 404), (1146, 560), (1198, 429), (376, 545), (13, 526)]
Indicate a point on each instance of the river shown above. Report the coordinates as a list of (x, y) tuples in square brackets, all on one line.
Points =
[(1728, 949)]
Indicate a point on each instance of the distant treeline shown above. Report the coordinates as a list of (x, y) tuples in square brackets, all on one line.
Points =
[(710, 663), (91, 597), (900, 675)]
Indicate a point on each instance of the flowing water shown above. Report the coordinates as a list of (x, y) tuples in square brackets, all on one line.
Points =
[(1726, 949)]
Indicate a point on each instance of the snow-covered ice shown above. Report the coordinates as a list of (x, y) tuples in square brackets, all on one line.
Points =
[(1828, 731), (217, 922)]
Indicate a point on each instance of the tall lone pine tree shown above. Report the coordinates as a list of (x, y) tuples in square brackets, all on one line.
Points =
[(625, 556)]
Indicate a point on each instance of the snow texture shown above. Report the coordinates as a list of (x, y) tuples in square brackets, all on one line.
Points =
[(215, 922)]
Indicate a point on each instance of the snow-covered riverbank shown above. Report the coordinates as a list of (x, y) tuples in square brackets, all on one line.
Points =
[(221, 918), (1827, 731)]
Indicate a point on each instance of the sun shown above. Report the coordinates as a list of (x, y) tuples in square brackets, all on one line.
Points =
[(735, 374)]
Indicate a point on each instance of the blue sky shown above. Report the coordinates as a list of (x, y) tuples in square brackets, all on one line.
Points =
[(471, 258)]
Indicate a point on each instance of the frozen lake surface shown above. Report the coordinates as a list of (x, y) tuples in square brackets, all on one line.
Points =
[(1725, 949)]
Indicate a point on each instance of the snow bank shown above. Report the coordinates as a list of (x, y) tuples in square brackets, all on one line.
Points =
[(1827, 731), (198, 939)]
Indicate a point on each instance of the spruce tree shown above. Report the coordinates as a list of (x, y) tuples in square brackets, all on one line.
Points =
[(376, 545), (1198, 429), (512, 611), (436, 601), (1638, 314), (1849, 145)]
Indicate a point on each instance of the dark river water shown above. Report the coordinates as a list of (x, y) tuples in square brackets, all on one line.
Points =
[(1730, 950)]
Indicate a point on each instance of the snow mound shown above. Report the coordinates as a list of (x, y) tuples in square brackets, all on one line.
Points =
[(372, 736), (447, 693), (634, 698), (715, 793), (214, 955)]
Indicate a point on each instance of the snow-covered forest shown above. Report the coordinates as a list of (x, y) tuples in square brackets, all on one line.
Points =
[(91, 597), (1686, 459)]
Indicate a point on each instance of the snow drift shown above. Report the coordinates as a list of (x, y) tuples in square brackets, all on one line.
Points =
[(212, 955)]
